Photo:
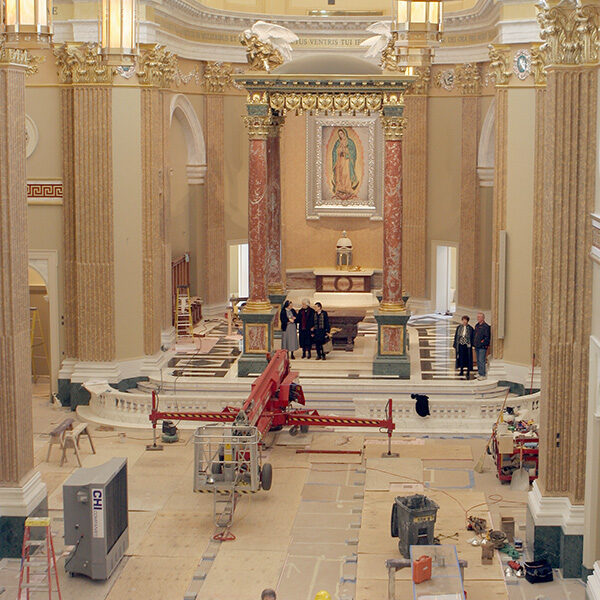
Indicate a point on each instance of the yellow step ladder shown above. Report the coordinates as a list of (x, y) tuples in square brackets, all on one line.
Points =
[(38, 561)]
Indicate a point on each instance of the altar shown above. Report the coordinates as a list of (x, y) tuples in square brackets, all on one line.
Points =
[(350, 281)]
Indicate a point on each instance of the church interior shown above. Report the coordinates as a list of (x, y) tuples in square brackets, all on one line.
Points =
[(300, 299)]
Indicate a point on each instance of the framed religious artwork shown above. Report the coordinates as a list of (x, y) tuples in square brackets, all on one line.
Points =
[(344, 167)]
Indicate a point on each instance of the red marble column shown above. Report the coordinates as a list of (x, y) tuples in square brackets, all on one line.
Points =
[(392, 217), (274, 276), (258, 128)]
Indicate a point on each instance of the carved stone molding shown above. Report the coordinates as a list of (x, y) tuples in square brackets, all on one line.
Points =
[(570, 32), (259, 127), (217, 77), (499, 65), (538, 65), (393, 127), (14, 56), (261, 56), (82, 64), (420, 87), (156, 66), (468, 79)]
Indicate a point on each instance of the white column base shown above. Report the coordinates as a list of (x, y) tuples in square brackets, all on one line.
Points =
[(22, 501), (556, 512), (592, 591), (168, 337)]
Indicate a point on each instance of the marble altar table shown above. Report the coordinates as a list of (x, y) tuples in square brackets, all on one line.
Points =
[(346, 320), (335, 280)]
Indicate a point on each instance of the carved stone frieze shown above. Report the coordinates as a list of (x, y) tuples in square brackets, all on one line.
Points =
[(569, 30), (499, 65), (156, 66), (538, 65), (468, 79), (420, 87), (217, 77), (261, 56), (82, 64)]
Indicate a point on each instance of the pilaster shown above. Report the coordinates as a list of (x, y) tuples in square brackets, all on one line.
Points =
[(21, 490), (414, 227), (469, 243)]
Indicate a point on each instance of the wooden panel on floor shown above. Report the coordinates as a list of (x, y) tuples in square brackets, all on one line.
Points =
[(242, 574), (432, 449), (383, 471), (336, 441), (154, 578)]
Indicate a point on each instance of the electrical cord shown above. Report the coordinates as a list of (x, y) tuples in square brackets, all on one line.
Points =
[(72, 555)]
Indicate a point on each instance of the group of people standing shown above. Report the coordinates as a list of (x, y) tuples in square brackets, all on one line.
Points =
[(301, 328), (468, 339)]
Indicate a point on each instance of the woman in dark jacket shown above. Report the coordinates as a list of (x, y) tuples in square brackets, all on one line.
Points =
[(306, 321), (463, 344), (321, 329)]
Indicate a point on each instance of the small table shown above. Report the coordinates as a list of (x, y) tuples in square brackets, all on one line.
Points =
[(346, 320), (334, 280)]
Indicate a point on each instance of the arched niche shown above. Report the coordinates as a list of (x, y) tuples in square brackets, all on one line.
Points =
[(181, 109)]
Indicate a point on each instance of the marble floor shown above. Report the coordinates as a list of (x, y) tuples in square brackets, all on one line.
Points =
[(323, 525)]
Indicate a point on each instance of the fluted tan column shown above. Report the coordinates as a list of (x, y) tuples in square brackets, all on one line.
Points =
[(569, 174), (499, 209), (216, 250), (152, 115), (16, 432), (414, 227), (469, 243)]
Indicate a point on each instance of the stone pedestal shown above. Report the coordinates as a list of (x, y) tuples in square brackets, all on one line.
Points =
[(258, 342), (277, 299), (392, 345)]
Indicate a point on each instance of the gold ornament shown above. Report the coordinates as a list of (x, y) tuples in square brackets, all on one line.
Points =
[(420, 87), (499, 68), (393, 127), (156, 67), (82, 64), (259, 127), (217, 77), (468, 79), (570, 33), (260, 55), (538, 65), (14, 56)]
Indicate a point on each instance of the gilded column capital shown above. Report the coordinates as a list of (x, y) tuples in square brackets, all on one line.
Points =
[(393, 127), (468, 79), (156, 66), (499, 64), (217, 77), (19, 58), (259, 126), (276, 125), (420, 87), (569, 31), (82, 64)]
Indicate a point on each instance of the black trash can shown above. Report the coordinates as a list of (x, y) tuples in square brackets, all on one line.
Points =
[(413, 522)]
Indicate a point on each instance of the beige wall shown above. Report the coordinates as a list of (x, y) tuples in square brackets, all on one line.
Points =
[(127, 222), (180, 196), (236, 169), (519, 224)]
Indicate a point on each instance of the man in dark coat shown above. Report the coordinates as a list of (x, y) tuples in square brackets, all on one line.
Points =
[(481, 343), (463, 345), (321, 329), (306, 321)]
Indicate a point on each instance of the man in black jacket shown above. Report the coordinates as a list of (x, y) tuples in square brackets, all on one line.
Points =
[(481, 343)]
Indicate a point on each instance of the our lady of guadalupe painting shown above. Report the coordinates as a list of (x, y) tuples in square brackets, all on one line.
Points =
[(344, 159), (344, 179)]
